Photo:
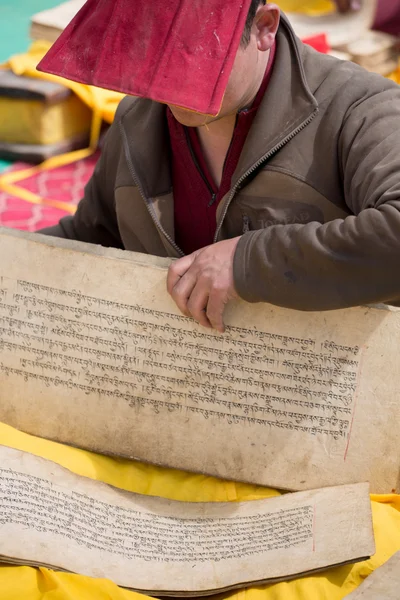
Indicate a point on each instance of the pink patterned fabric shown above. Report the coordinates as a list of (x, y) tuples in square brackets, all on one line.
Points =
[(65, 184)]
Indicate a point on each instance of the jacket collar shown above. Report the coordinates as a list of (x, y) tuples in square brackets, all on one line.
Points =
[(287, 103)]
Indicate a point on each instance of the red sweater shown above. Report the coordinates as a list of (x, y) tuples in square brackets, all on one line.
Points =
[(196, 196)]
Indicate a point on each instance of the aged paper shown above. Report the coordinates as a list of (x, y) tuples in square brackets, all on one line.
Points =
[(382, 584), (94, 353), (49, 516)]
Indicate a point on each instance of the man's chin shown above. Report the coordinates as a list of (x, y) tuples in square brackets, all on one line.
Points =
[(189, 118)]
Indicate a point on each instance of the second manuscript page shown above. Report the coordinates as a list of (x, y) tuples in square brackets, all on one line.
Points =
[(49, 516)]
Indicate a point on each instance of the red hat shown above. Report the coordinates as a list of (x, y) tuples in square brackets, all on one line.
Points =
[(179, 52)]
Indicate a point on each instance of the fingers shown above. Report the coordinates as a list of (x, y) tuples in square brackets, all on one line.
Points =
[(195, 298), (201, 283), (204, 305), (215, 310), (182, 290), (197, 306), (178, 269)]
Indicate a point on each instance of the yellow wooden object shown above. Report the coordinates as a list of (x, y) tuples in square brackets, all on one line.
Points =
[(26, 121)]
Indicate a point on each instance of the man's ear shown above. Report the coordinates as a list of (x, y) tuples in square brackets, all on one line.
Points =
[(265, 25)]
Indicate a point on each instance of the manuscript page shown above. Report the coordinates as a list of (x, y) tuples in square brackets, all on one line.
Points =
[(94, 353), (51, 517), (382, 584)]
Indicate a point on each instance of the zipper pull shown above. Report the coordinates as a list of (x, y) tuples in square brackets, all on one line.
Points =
[(213, 199)]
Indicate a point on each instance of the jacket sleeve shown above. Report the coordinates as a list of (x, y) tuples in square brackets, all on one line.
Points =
[(346, 262), (95, 220)]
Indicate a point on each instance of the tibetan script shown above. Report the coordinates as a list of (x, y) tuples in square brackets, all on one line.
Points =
[(50, 516), (98, 342)]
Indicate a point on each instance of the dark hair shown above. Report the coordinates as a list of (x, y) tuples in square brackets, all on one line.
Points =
[(249, 22)]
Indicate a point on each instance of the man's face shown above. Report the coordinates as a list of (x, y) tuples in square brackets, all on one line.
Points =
[(238, 94), (244, 80)]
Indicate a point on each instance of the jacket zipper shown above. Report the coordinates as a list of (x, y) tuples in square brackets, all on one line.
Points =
[(233, 191), (264, 158), (140, 188), (204, 178)]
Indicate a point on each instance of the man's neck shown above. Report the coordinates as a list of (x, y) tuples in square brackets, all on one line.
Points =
[(215, 137), (215, 140)]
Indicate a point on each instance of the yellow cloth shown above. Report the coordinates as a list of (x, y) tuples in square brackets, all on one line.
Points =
[(396, 75), (17, 583), (309, 7)]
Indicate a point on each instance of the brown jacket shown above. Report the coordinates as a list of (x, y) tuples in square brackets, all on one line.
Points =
[(316, 193)]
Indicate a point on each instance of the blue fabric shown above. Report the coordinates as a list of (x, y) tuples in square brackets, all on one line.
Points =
[(14, 24)]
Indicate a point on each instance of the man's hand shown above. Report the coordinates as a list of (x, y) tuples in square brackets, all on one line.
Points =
[(346, 5), (202, 283)]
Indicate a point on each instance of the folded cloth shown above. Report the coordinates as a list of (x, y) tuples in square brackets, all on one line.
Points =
[(180, 52)]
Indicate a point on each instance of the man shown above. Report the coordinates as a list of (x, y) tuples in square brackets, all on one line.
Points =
[(289, 195)]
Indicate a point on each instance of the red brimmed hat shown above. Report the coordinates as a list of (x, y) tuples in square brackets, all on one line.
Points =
[(179, 52)]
